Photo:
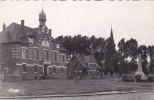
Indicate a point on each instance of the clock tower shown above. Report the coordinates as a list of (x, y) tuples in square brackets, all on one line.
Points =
[(43, 31), (42, 19)]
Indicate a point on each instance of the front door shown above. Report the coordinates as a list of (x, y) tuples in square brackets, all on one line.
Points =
[(45, 70)]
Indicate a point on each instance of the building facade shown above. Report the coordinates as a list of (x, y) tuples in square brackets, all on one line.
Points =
[(31, 53), (84, 66)]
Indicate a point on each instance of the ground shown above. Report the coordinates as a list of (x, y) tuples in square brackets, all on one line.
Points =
[(49, 87), (129, 96)]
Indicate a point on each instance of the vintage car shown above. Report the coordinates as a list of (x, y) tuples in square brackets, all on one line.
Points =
[(127, 77)]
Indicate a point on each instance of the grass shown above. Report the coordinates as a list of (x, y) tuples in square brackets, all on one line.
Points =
[(48, 87)]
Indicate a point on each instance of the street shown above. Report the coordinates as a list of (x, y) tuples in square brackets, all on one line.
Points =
[(129, 96)]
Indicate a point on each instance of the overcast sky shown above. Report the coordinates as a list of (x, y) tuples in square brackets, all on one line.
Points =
[(129, 19)]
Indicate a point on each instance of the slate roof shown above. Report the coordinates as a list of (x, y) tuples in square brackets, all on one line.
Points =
[(15, 33), (88, 61)]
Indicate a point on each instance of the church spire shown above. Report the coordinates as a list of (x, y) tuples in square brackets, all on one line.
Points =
[(111, 35), (4, 26)]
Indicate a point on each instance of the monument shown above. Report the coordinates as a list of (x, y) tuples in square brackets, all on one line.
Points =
[(139, 69)]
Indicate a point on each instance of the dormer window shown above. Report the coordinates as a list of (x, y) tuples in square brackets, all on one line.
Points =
[(30, 40), (29, 34)]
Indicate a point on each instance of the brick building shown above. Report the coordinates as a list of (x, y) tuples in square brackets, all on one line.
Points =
[(84, 66), (31, 53)]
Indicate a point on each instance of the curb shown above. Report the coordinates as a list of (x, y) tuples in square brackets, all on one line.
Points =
[(76, 95)]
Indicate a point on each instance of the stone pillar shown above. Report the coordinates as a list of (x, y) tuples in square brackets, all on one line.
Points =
[(18, 74), (5, 73)]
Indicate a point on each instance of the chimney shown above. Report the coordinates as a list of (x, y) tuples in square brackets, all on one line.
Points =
[(22, 23), (22, 26), (4, 26), (50, 32)]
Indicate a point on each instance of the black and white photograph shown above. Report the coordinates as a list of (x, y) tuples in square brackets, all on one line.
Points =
[(76, 49)]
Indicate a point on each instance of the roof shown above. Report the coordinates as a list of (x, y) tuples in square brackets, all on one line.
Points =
[(42, 14), (16, 33), (88, 61)]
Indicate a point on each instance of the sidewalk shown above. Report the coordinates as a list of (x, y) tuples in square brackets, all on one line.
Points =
[(75, 95)]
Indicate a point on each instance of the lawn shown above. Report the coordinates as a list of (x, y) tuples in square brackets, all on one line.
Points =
[(46, 87)]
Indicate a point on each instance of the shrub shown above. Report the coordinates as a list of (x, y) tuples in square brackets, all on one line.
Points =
[(138, 77), (151, 78)]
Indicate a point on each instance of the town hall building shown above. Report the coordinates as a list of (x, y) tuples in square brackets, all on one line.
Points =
[(31, 53)]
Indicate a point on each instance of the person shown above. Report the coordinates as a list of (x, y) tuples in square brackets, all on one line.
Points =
[(77, 78)]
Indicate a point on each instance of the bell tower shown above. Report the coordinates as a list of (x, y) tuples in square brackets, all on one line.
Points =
[(42, 18)]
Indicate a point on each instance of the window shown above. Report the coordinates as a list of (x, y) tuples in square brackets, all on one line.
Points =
[(35, 68), (58, 56), (50, 55), (63, 58), (55, 56), (2, 67), (36, 53), (54, 69), (90, 72), (98, 73), (50, 70), (24, 68), (46, 56), (24, 53), (62, 70), (41, 70), (95, 73)]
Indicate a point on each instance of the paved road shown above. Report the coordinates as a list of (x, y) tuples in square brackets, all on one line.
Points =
[(129, 96)]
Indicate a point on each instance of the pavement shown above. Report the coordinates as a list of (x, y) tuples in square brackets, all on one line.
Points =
[(75, 95)]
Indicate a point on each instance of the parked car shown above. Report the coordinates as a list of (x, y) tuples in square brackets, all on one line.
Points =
[(140, 77), (127, 77)]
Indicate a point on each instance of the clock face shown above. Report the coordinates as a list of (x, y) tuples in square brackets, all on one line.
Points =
[(45, 29)]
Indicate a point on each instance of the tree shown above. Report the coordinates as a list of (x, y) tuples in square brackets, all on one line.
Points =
[(128, 52), (144, 53), (151, 55)]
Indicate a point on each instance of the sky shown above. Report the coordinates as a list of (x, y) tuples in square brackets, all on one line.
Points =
[(129, 19)]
